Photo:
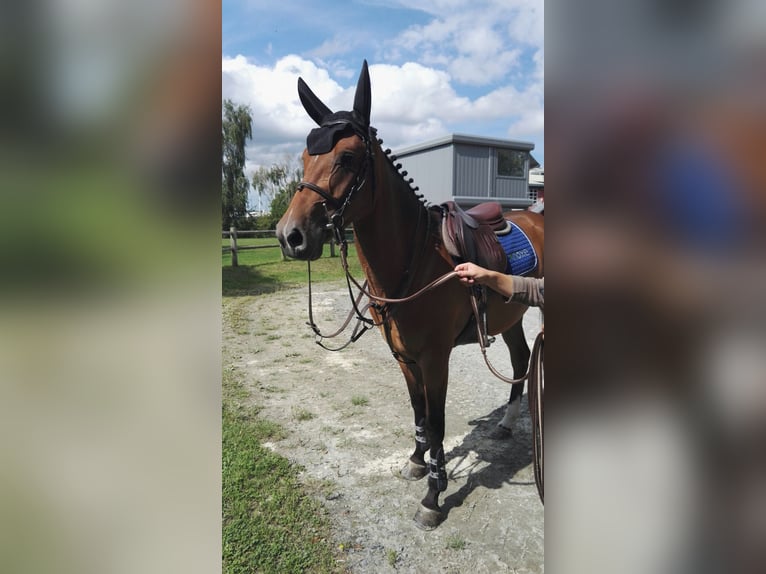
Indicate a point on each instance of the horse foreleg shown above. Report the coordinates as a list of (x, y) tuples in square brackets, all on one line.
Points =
[(429, 515), (415, 468), (519, 349)]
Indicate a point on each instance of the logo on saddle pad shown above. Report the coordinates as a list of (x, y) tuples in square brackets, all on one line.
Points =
[(522, 258)]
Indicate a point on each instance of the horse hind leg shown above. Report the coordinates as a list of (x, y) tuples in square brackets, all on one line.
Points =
[(519, 349)]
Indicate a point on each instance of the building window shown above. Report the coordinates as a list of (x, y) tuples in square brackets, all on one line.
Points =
[(511, 163)]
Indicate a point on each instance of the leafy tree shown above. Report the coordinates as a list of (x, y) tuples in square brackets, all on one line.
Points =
[(237, 129), (277, 185), (281, 201)]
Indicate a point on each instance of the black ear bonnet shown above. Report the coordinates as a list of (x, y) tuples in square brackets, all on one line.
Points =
[(334, 125)]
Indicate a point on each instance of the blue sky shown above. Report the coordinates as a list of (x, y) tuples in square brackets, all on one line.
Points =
[(436, 66)]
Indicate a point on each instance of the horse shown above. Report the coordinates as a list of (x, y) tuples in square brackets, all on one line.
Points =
[(350, 180)]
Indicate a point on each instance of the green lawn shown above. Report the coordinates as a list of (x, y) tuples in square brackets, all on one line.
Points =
[(263, 270), (270, 523)]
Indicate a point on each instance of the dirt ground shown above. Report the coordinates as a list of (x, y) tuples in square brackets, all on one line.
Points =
[(350, 426)]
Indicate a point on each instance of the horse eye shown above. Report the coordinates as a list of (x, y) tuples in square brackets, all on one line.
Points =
[(346, 160)]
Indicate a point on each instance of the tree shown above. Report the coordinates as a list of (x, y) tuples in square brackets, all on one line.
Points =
[(237, 129), (277, 184)]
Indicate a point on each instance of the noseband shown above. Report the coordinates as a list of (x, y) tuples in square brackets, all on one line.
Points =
[(337, 223)]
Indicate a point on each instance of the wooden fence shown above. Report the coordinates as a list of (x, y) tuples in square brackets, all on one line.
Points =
[(234, 248)]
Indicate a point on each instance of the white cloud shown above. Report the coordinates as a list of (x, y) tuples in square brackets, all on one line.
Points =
[(478, 42), (527, 23), (271, 93), (530, 126), (411, 103)]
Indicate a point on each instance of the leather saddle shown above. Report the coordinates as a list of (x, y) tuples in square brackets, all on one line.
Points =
[(469, 235)]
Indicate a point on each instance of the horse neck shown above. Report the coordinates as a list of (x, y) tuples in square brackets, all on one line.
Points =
[(392, 238)]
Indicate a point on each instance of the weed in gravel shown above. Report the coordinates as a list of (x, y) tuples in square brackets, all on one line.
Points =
[(302, 414), (346, 443), (392, 556), (348, 546), (321, 487), (359, 401), (455, 542)]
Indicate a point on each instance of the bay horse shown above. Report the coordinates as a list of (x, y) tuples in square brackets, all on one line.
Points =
[(350, 179)]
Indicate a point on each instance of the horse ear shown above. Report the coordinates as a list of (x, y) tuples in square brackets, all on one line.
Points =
[(363, 97), (311, 103)]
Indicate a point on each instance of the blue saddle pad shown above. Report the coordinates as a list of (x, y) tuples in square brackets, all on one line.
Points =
[(522, 258)]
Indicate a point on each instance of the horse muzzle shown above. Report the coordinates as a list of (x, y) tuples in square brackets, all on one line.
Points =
[(301, 243)]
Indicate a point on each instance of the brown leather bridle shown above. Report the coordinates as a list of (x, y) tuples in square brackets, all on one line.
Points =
[(336, 221)]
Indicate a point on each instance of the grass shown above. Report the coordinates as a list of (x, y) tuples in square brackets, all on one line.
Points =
[(302, 414), (392, 556), (455, 542), (359, 401), (264, 271), (270, 523)]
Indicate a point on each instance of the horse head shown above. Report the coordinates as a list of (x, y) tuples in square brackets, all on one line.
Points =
[(336, 164)]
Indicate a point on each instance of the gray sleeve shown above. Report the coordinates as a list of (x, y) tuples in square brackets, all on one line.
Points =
[(529, 291)]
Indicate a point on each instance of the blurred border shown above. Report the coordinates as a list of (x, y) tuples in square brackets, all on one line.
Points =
[(655, 141), (110, 337)]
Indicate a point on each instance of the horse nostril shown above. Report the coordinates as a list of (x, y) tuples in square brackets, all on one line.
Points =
[(295, 238)]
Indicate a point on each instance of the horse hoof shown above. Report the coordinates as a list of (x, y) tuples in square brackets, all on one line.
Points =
[(412, 471), (427, 518)]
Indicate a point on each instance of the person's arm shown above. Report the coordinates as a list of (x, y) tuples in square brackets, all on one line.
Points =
[(527, 290), (471, 273)]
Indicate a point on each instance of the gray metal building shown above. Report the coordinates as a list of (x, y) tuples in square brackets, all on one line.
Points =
[(471, 169)]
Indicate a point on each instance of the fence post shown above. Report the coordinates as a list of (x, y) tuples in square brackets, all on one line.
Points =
[(233, 242)]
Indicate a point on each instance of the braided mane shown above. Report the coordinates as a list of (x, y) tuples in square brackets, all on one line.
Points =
[(402, 173)]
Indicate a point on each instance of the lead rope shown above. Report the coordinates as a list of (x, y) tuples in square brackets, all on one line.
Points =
[(432, 285), (482, 336)]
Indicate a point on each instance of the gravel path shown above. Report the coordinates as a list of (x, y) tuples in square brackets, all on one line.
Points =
[(350, 427)]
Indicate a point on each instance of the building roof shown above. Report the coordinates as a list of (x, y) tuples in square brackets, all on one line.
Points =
[(469, 140)]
